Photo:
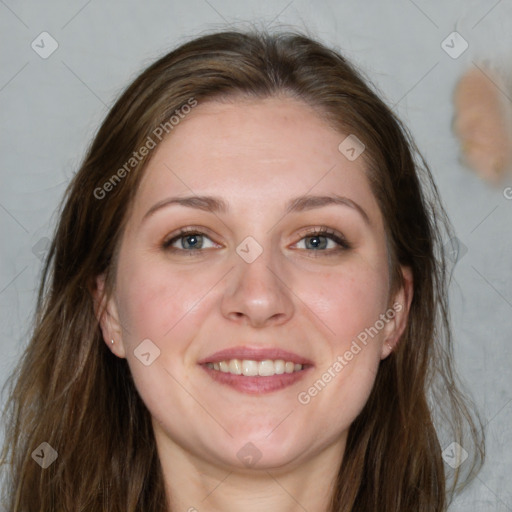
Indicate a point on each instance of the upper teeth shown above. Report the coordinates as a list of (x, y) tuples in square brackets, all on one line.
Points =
[(251, 368)]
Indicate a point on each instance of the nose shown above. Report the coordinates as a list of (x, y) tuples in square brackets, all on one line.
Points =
[(257, 294)]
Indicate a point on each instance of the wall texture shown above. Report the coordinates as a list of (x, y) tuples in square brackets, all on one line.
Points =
[(55, 88)]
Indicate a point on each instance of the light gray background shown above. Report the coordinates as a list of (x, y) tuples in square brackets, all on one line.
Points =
[(52, 107)]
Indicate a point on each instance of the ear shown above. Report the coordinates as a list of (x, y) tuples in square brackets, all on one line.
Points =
[(400, 304), (107, 314)]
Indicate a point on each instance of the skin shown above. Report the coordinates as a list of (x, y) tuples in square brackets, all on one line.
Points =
[(256, 155)]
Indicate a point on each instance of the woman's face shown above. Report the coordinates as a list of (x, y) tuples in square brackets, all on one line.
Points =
[(283, 268)]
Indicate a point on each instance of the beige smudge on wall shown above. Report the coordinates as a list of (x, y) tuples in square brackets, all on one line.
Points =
[(483, 123)]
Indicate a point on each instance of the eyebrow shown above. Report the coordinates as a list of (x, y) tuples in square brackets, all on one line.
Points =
[(219, 205)]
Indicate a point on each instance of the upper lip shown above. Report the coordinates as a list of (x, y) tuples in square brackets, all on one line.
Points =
[(255, 354)]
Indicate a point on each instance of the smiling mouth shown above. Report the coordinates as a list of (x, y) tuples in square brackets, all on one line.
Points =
[(256, 377), (256, 370), (253, 368)]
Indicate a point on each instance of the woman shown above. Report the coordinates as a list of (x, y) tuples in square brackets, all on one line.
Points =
[(244, 306)]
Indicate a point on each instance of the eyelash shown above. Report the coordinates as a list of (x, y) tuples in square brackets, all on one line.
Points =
[(338, 238)]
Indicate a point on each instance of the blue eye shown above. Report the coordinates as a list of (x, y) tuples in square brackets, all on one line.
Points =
[(189, 241), (323, 240), (319, 242)]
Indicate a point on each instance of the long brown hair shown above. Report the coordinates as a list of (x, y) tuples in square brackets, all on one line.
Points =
[(71, 392)]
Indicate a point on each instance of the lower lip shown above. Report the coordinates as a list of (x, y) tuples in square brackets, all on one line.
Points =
[(256, 385)]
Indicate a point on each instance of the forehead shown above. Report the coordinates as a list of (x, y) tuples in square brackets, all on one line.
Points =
[(254, 153)]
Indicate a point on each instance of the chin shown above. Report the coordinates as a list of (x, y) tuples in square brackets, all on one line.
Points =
[(258, 450)]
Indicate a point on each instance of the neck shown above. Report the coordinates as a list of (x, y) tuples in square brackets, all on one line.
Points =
[(196, 485)]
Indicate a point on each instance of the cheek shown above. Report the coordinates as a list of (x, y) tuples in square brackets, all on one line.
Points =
[(348, 305), (346, 301), (163, 307), (153, 301)]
